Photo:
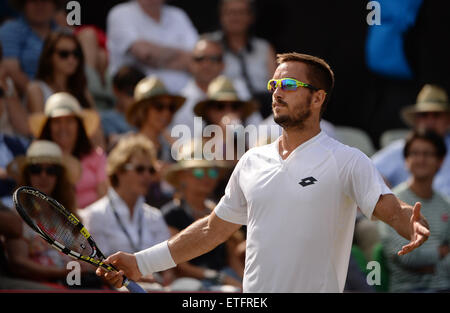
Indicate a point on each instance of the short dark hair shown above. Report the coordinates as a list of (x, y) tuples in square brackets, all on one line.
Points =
[(427, 135), (126, 79), (319, 73)]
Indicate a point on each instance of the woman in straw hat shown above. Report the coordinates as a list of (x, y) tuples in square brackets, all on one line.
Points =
[(195, 181), (65, 123), (223, 108), (46, 168), (151, 113)]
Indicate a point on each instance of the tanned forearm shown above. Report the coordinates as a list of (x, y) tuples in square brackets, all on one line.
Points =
[(395, 213)]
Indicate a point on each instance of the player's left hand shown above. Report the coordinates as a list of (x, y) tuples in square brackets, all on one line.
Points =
[(420, 230)]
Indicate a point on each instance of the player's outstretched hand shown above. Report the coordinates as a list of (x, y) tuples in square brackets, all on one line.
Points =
[(420, 231), (127, 265)]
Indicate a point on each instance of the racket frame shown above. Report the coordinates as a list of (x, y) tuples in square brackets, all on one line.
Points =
[(73, 220)]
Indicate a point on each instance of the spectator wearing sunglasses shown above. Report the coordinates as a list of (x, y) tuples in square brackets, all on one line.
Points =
[(121, 220), (23, 38), (247, 57), (71, 127), (195, 181), (223, 107), (154, 36), (61, 69), (151, 113), (206, 65), (46, 168)]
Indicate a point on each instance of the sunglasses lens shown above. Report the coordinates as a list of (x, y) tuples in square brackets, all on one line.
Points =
[(235, 106), (172, 108), (63, 54), (198, 172), (288, 84), (140, 169), (213, 173), (35, 169), (52, 170)]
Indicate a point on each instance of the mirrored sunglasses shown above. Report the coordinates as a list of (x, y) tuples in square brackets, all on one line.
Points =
[(201, 173), (288, 84)]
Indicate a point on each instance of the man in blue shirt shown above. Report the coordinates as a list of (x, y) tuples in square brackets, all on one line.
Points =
[(430, 112), (23, 38)]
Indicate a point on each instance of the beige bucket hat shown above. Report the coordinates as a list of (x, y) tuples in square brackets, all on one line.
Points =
[(431, 98), (44, 151), (148, 89), (221, 89), (63, 104), (187, 160)]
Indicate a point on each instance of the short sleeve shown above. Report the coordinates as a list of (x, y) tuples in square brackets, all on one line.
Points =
[(361, 181), (10, 39), (233, 205)]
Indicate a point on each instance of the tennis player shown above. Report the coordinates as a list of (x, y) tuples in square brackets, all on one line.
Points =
[(298, 197)]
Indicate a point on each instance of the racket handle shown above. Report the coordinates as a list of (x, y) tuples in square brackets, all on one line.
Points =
[(132, 286)]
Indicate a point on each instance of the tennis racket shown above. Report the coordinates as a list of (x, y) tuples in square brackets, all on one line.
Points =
[(61, 229)]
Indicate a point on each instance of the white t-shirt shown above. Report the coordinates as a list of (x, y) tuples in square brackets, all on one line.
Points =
[(146, 227), (127, 23), (300, 213)]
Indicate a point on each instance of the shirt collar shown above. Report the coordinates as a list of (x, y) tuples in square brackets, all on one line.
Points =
[(120, 205), (304, 145)]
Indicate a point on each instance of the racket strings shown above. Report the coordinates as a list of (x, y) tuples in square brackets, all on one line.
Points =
[(54, 223)]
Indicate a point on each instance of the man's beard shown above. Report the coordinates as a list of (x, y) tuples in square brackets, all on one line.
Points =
[(296, 119)]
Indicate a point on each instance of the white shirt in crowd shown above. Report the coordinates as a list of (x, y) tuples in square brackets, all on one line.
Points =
[(300, 213), (100, 220), (127, 23)]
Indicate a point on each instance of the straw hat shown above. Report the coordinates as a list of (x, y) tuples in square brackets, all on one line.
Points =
[(44, 151), (430, 99), (63, 104), (149, 88), (187, 160), (221, 89)]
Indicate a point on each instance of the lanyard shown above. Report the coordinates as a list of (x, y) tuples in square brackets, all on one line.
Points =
[(124, 230)]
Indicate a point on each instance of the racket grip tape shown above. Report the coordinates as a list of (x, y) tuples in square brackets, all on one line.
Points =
[(133, 286)]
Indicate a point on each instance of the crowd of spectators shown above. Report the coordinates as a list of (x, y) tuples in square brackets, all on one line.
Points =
[(91, 117)]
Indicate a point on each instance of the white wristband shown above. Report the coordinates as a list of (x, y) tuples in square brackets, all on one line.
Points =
[(155, 259)]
